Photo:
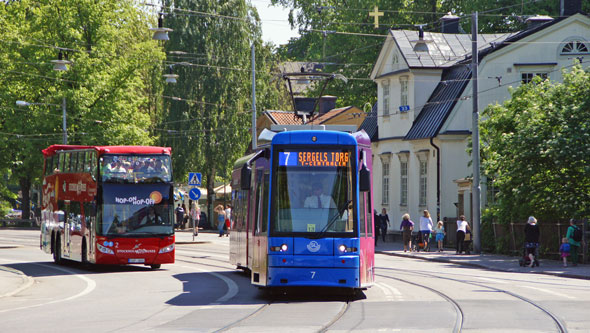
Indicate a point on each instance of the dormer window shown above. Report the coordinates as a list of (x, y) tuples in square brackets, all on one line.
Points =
[(575, 47)]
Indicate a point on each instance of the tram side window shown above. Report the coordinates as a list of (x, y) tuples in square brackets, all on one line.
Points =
[(265, 203), (370, 209), (362, 213)]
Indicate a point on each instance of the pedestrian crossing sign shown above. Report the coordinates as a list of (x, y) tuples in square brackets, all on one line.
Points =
[(194, 178)]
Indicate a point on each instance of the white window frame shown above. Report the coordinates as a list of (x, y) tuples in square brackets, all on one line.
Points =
[(403, 96), (403, 183), (527, 77), (575, 46), (423, 177), (385, 168), (385, 92)]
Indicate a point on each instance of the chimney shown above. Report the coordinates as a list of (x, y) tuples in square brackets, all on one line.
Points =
[(449, 24), (537, 20), (327, 103), (569, 7)]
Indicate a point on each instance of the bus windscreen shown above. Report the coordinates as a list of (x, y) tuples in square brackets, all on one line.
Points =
[(313, 192)]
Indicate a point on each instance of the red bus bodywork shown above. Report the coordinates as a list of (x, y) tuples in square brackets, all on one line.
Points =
[(70, 210)]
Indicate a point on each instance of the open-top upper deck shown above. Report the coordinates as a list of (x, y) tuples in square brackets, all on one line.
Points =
[(53, 149)]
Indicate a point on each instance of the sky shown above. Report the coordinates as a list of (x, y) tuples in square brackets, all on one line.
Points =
[(275, 24)]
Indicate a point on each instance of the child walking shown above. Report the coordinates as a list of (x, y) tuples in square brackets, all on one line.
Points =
[(564, 249), (440, 235)]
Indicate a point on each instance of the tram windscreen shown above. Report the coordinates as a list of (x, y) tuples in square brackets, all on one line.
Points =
[(313, 193)]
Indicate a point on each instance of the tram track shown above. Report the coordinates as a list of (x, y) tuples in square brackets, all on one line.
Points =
[(264, 307), (459, 323)]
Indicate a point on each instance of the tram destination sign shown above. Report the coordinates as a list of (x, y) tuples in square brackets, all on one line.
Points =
[(314, 158)]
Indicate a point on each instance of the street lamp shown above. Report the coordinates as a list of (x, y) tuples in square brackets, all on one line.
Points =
[(63, 107), (161, 33)]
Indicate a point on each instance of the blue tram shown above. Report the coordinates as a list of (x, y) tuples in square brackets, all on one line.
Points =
[(302, 210)]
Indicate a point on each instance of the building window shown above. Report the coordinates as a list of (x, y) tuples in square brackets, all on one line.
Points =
[(403, 91), (385, 98), (575, 47), (394, 58), (423, 182), (528, 77), (385, 182), (403, 195)]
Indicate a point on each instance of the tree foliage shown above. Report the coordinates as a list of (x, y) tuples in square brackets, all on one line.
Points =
[(536, 149), (211, 53), (109, 88)]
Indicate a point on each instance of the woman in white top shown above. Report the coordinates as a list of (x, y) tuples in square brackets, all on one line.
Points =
[(425, 227), (462, 227)]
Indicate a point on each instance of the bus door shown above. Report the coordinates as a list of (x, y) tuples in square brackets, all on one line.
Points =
[(369, 240), (259, 229)]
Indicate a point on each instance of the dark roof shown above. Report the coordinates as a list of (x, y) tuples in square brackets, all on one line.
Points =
[(441, 103), (370, 124)]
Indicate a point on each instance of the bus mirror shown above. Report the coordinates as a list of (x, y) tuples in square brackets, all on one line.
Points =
[(364, 180), (245, 177)]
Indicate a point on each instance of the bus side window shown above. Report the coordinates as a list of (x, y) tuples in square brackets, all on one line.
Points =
[(66, 164), (60, 165), (48, 166)]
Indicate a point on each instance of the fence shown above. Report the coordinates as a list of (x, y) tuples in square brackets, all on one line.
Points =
[(19, 223)]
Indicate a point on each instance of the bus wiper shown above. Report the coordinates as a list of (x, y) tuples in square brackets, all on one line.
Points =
[(333, 219)]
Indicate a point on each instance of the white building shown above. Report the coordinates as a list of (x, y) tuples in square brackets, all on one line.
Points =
[(422, 122)]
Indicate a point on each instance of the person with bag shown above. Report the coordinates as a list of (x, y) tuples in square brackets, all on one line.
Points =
[(462, 228), (574, 236), (531, 240), (407, 226)]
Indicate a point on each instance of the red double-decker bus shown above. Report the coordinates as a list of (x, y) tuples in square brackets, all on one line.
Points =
[(108, 205)]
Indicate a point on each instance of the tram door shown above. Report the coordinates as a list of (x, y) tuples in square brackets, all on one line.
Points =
[(259, 229)]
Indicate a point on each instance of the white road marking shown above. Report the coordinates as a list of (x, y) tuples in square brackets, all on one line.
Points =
[(90, 285), (232, 287), (391, 293), (490, 280), (551, 292), (28, 281)]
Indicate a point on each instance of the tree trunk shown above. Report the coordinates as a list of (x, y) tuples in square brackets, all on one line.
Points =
[(210, 195), (25, 188)]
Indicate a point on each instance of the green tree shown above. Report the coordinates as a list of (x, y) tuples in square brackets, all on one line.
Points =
[(111, 94), (536, 149), (209, 129)]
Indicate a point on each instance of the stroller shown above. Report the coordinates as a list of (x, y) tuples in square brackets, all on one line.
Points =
[(525, 260), (419, 244)]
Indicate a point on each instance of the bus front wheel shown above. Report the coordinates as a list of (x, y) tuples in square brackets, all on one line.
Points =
[(57, 250)]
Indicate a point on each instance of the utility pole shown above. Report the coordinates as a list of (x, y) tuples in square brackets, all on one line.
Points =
[(476, 195), (64, 124), (253, 99)]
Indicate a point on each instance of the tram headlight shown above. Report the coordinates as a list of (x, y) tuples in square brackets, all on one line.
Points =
[(345, 249), (282, 248), (167, 249)]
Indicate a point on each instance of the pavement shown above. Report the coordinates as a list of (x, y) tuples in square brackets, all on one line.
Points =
[(13, 281)]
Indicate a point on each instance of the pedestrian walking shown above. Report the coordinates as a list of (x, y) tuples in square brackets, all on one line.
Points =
[(227, 219), (377, 222), (462, 227), (425, 227), (384, 223), (564, 250), (195, 215), (179, 211), (440, 235), (220, 219), (531, 240), (574, 237), (407, 226)]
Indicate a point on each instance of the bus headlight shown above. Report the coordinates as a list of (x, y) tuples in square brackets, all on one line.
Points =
[(167, 249), (282, 248), (345, 249), (104, 249)]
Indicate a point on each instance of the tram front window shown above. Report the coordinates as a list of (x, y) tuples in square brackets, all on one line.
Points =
[(313, 193)]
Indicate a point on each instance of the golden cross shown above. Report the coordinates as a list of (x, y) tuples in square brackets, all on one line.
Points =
[(376, 15)]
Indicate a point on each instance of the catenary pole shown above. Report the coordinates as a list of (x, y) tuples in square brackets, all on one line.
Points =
[(253, 99), (476, 196), (64, 123)]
